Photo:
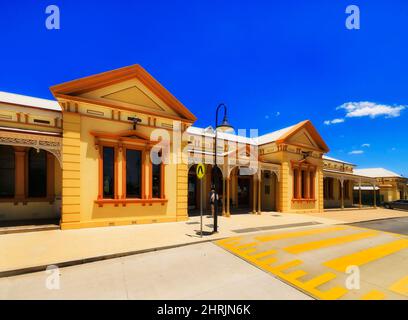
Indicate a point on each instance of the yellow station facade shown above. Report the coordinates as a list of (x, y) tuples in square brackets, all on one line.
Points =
[(90, 159)]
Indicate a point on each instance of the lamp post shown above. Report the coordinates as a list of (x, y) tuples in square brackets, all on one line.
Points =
[(226, 126)]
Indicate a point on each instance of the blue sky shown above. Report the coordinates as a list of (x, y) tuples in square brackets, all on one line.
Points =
[(274, 63)]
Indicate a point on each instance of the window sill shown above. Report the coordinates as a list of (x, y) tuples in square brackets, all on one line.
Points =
[(303, 200), (124, 202), (24, 201)]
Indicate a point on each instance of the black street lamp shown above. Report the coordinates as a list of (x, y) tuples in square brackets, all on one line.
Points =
[(223, 126)]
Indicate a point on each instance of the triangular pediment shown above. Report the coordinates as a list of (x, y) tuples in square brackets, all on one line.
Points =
[(130, 88), (303, 138), (304, 134), (133, 95)]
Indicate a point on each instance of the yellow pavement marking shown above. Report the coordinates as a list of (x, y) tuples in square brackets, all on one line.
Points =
[(308, 246), (264, 260), (287, 265), (246, 245), (263, 254), (296, 274), (374, 295), (401, 286), (296, 234), (365, 256), (319, 280), (229, 240)]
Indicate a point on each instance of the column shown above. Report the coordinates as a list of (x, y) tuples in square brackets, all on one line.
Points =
[(342, 192), (19, 185), (254, 183), (359, 195), (299, 184), (50, 177), (307, 191), (375, 196), (228, 197), (223, 197), (259, 193), (71, 170), (277, 195)]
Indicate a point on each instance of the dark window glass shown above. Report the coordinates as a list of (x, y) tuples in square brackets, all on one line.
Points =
[(7, 172), (295, 184), (133, 173), (108, 172), (156, 180), (37, 173), (303, 184)]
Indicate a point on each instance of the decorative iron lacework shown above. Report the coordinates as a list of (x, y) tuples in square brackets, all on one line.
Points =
[(49, 143)]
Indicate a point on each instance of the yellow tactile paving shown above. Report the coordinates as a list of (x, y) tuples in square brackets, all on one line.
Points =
[(401, 286), (280, 259), (324, 243), (366, 256), (374, 295), (296, 234)]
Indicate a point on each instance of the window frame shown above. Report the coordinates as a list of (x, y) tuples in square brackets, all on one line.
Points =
[(304, 175), (162, 181), (121, 144), (115, 170), (143, 173)]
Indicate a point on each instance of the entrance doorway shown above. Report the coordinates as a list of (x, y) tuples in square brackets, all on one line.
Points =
[(244, 187)]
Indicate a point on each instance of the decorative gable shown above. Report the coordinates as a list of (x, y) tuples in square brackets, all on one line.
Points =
[(303, 138)]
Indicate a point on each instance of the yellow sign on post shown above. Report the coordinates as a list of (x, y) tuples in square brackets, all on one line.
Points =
[(200, 171)]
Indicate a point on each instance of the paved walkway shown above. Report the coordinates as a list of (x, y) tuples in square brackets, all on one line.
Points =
[(200, 271), (40, 249), (356, 215)]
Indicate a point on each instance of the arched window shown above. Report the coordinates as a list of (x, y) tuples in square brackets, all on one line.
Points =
[(7, 172), (37, 173)]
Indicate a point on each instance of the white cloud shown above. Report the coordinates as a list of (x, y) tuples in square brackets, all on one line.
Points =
[(365, 145), (356, 152), (278, 114), (334, 121), (371, 109)]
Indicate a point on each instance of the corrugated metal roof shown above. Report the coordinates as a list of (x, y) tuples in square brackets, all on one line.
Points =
[(336, 160), (19, 99), (377, 173), (263, 139)]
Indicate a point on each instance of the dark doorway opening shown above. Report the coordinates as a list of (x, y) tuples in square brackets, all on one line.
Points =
[(244, 194)]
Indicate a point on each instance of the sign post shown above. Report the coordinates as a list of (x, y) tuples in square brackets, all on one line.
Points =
[(200, 171)]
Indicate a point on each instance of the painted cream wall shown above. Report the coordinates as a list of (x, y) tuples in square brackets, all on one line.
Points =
[(81, 195)]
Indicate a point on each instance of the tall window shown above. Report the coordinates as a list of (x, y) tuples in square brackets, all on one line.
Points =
[(108, 172), (37, 173), (133, 173), (295, 184), (7, 172), (312, 185), (304, 182), (156, 180)]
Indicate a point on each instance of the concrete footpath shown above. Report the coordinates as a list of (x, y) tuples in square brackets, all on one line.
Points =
[(199, 271), (34, 251)]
